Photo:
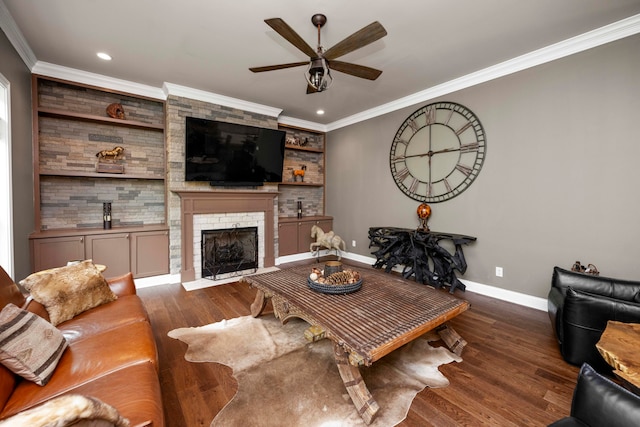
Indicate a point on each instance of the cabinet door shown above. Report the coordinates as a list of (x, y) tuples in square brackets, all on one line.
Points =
[(304, 236), (287, 238), (149, 253), (56, 251), (111, 250)]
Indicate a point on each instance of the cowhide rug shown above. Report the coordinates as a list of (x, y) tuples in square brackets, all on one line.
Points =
[(285, 380)]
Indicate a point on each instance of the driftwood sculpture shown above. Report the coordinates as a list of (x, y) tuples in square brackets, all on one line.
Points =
[(420, 254), (328, 240)]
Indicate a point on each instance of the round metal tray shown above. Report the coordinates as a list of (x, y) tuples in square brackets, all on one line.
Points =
[(334, 289)]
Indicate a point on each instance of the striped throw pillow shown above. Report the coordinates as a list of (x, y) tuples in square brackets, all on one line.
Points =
[(29, 345)]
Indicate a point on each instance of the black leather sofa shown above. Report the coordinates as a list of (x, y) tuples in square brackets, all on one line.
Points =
[(599, 402), (579, 307)]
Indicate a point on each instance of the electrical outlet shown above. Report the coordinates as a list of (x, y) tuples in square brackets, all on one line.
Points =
[(353, 243), (499, 272)]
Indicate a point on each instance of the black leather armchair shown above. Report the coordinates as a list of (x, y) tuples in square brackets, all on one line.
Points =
[(579, 307), (598, 401)]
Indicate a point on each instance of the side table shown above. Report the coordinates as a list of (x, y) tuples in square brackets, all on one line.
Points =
[(619, 346)]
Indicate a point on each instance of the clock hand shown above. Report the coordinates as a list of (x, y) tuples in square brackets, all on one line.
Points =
[(410, 156), (428, 153), (445, 150)]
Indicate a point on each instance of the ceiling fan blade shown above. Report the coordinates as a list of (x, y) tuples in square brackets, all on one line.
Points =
[(278, 67), (311, 89), (355, 70), (291, 36), (360, 38)]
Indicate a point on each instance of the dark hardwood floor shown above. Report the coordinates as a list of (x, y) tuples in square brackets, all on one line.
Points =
[(512, 373)]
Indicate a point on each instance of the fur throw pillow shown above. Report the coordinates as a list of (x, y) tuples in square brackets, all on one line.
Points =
[(67, 410), (68, 291)]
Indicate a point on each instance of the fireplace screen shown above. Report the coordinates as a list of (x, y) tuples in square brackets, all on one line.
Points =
[(229, 250)]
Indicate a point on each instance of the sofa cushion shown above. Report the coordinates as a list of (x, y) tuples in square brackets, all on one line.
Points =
[(133, 391), (86, 361), (68, 291), (68, 410), (119, 313), (29, 345)]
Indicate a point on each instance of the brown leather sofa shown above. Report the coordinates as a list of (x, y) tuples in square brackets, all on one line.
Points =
[(111, 356)]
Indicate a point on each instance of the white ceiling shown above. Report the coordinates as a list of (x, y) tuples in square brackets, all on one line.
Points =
[(209, 45)]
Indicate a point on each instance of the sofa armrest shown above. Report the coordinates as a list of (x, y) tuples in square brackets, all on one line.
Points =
[(122, 285), (555, 302), (598, 401), (584, 318)]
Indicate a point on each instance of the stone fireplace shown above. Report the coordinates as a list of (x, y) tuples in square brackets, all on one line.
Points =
[(201, 210), (233, 233)]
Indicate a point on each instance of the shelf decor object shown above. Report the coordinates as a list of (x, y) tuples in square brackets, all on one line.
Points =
[(108, 160)]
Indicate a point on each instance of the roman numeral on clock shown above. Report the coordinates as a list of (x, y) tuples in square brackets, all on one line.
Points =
[(464, 169), (467, 148), (463, 128), (414, 185), (402, 175)]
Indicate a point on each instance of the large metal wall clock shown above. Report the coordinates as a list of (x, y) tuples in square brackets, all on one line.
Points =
[(437, 152)]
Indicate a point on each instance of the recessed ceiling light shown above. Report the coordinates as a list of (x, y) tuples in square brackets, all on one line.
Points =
[(104, 56), (320, 112)]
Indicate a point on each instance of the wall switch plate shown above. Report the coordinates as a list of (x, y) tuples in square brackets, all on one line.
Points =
[(499, 272), (353, 243)]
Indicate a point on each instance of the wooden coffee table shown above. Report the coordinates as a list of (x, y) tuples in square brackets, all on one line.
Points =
[(386, 313)]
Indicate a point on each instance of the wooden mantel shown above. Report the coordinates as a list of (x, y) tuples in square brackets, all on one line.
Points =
[(218, 202)]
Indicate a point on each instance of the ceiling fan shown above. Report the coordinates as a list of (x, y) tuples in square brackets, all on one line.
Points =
[(322, 61)]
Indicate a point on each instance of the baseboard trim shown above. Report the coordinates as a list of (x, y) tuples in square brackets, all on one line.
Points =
[(164, 279), (478, 288)]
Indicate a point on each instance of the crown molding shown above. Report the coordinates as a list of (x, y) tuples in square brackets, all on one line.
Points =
[(612, 32), (99, 80), (305, 124), (609, 33), (214, 98), (15, 36)]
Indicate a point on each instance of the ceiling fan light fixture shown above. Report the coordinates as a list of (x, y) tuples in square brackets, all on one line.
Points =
[(318, 74)]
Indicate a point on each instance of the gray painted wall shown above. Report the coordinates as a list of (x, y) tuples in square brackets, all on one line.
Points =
[(559, 182), (13, 69)]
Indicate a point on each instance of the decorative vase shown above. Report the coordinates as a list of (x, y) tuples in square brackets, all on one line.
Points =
[(331, 267)]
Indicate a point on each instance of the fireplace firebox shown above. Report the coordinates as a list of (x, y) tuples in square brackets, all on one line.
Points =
[(229, 250)]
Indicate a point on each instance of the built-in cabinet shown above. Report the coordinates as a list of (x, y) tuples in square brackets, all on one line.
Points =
[(294, 235), (71, 126), (144, 253)]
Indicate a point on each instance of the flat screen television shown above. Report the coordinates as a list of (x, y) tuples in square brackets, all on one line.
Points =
[(229, 154)]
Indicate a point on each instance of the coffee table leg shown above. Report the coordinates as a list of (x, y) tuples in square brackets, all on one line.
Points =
[(366, 406), (258, 304)]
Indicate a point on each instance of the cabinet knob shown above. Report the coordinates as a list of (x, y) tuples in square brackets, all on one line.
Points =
[(82, 240)]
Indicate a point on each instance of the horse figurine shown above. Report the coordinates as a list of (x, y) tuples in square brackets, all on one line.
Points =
[(328, 240), (110, 154), (299, 173)]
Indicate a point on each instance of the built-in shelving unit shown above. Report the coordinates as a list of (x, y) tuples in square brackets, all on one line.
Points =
[(71, 126), (308, 150), (293, 232)]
